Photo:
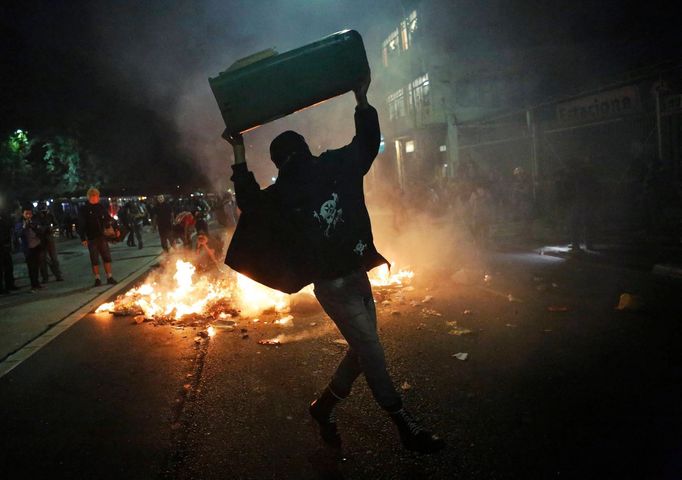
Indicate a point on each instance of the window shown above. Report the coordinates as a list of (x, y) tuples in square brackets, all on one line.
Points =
[(409, 146), (419, 93), (400, 39), (408, 29), (396, 104), (391, 47), (443, 148)]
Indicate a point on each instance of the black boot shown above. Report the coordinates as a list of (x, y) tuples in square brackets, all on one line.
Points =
[(413, 436), (322, 410)]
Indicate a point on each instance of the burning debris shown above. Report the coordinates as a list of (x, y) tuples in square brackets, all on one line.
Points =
[(382, 276), (180, 296)]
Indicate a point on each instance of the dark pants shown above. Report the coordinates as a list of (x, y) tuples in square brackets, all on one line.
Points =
[(6, 269), (99, 247), (348, 301), (166, 236), (135, 229), (50, 259), (33, 258)]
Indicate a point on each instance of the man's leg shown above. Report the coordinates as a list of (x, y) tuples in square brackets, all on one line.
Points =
[(33, 263), (42, 265), (164, 235), (106, 259), (53, 260), (350, 304), (94, 260), (138, 234)]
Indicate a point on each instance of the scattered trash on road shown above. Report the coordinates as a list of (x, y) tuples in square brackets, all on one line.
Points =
[(406, 386), (461, 356), (431, 312), (460, 332), (286, 321), (270, 342), (629, 301), (427, 299), (455, 329), (512, 298), (341, 341), (467, 312), (510, 325)]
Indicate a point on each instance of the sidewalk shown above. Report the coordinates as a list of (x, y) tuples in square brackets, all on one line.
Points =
[(24, 316), (659, 256)]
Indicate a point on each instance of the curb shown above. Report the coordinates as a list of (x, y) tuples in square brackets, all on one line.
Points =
[(54, 330)]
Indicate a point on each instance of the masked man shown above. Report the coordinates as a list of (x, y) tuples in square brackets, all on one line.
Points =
[(312, 226)]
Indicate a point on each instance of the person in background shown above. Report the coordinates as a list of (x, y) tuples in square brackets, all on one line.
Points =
[(585, 193), (201, 224), (134, 215), (49, 258), (6, 264), (184, 227), (93, 219), (163, 213), (30, 233)]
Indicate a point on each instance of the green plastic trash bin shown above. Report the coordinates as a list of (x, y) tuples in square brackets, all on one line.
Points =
[(267, 86)]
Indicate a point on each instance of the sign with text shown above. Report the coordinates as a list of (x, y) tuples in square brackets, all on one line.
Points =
[(601, 106)]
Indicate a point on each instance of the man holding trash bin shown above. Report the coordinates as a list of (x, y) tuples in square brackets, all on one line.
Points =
[(312, 226)]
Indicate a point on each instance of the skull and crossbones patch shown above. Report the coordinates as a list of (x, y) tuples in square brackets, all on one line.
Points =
[(360, 248), (329, 215)]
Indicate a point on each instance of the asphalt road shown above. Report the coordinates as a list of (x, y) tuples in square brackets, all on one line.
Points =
[(591, 392)]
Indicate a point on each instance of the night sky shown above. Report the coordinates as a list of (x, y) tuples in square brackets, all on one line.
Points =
[(129, 78)]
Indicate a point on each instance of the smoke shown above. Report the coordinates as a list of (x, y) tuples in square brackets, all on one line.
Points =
[(165, 54)]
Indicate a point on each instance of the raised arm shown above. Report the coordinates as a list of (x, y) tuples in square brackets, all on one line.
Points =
[(247, 191), (365, 145)]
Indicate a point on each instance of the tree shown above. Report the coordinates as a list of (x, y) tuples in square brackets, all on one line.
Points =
[(14, 164), (62, 162)]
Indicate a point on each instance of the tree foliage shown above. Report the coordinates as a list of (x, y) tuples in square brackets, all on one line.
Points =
[(14, 164), (62, 162), (34, 167)]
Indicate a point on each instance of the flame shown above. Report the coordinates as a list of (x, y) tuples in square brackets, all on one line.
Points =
[(211, 331), (105, 307), (382, 276), (179, 291), (255, 298)]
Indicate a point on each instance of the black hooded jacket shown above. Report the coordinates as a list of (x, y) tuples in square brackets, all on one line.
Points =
[(312, 223)]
